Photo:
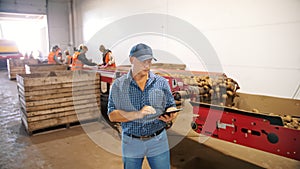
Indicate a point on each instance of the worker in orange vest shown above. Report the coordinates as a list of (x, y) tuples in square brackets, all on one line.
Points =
[(79, 58), (53, 56), (59, 56), (107, 58), (69, 59)]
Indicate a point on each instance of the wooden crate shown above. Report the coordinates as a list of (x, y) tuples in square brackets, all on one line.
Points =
[(44, 68), (17, 66), (172, 66), (58, 98), (168, 66)]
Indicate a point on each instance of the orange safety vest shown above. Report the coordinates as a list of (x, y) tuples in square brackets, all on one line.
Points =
[(107, 60), (51, 58), (69, 59), (76, 64)]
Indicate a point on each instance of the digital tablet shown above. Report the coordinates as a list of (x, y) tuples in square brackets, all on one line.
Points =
[(172, 111)]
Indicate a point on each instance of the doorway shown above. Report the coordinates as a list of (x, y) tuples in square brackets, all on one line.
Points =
[(28, 31)]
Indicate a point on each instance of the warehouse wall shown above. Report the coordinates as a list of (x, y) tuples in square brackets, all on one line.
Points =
[(256, 40), (23, 6), (58, 15)]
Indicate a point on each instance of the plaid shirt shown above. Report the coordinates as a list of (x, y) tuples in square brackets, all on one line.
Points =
[(127, 96)]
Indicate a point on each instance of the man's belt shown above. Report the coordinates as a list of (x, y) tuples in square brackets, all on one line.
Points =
[(145, 137)]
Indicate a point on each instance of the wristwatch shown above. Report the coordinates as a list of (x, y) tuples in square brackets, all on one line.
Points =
[(169, 124)]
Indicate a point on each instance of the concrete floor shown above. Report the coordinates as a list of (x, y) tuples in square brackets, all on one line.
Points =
[(95, 145)]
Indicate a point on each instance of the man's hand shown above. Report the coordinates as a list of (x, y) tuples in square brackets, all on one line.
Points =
[(146, 110), (102, 66), (167, 118)]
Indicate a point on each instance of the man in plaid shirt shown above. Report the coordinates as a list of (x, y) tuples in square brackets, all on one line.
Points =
[(137, 100)]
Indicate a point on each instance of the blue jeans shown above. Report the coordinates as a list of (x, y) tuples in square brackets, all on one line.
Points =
[(155, 149)]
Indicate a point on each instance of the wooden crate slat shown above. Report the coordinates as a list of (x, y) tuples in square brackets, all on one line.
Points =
[(58, 100), (22, 101), (62, 114), (58, 86), (38, 68), (60, 90), (83, 95), (61, 95), (58, 105), (168, 66), (38, 79), (62, 109), (24, 120), (60, 120)]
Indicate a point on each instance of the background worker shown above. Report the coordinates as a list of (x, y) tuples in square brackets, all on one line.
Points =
[(53, 55), (107, 58), (59, 56), (137, 99), (68, 60), (79, 58)]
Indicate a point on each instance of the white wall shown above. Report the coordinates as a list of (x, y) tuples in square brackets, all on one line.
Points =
[(256, 40), (58, 23)]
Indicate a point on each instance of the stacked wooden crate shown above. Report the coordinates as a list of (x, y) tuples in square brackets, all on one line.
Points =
[(58, 98), (44, 68), (17, 66), (168, 66), (158, 66)]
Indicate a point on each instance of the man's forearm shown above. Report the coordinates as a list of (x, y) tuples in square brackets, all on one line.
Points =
[(56, 60), (85, 61), (122, 116)]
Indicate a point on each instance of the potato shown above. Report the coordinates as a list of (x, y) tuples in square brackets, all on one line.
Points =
[(201, 90), (290, 125), (223, 85), (295, 123), (229, 80), (295, 120), (219, 81), (230, 93), (287, 118), (218, 94), (224, 96), (231, 86), (214, 83), (206, 87)]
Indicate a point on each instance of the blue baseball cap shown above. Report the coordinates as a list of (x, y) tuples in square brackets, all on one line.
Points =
[(142, 52)]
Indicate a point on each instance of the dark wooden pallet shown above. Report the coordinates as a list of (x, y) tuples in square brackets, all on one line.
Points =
[(58, 127)]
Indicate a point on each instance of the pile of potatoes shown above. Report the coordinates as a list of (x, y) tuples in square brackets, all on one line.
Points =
[(290, 122), (215, 89), (218, 90)]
